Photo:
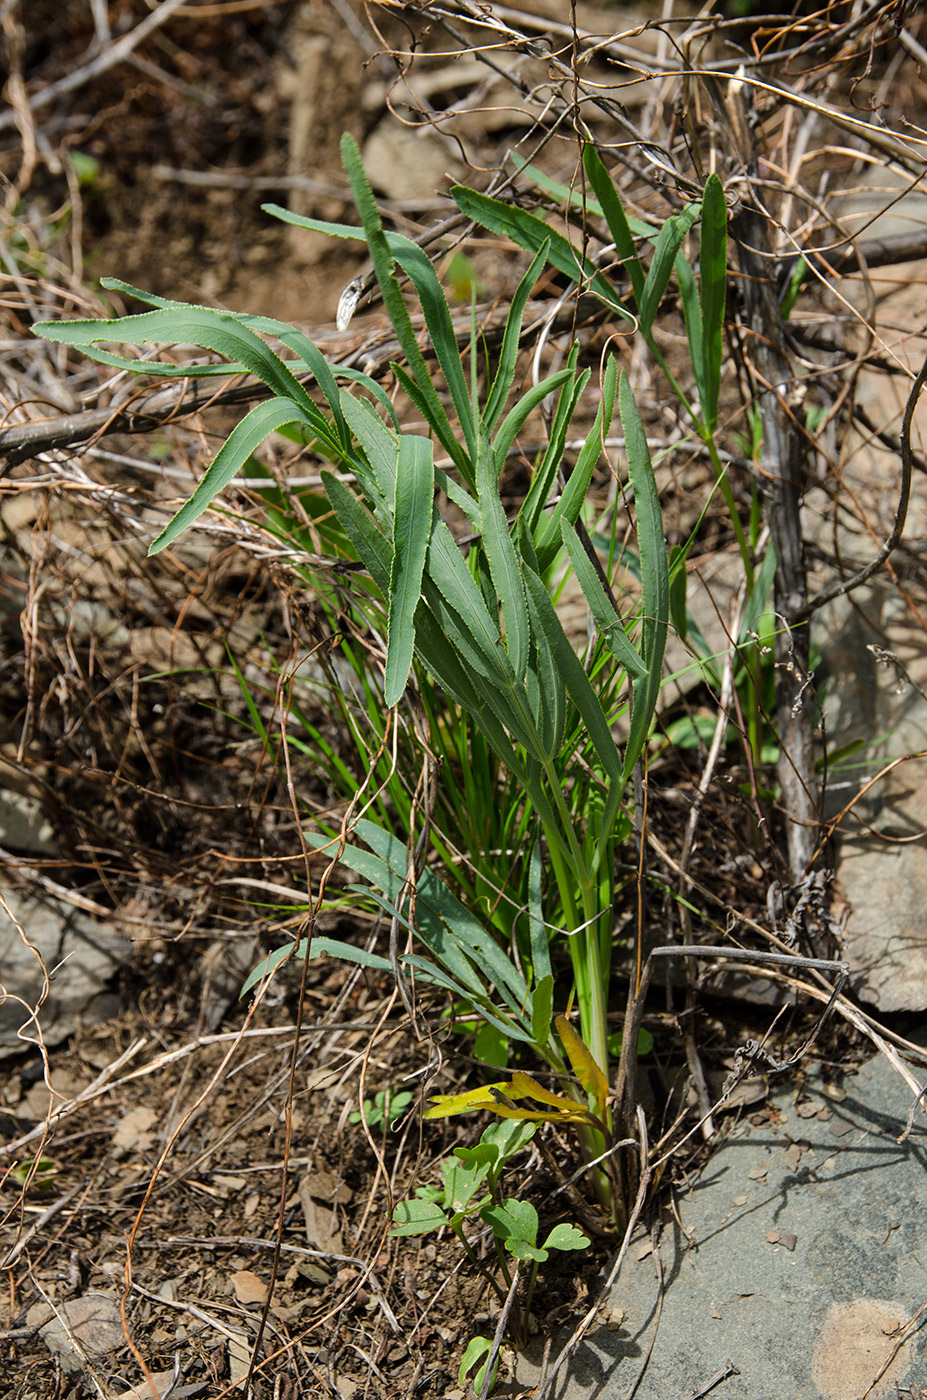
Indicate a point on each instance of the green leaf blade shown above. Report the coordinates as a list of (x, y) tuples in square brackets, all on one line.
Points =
[(241, 442), (661, 264), (654, 574), (504, 565), (616, 219), (417, 1217), (713, 271), (531, 233), (412, 524)]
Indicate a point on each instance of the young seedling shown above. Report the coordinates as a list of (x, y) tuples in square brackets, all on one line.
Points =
[(470, 1188), (384, 1107)]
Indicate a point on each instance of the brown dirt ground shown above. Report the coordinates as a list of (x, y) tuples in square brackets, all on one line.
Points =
[(222, 1145)]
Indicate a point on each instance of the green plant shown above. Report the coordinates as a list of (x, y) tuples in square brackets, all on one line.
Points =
[(36, 1174), (703, 299), (477, 625), (384, 1107), (470, 1188), (475, 1361)]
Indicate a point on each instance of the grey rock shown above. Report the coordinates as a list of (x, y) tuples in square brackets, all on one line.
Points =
[(407, 164), (881, 864), (24, 825), (81, 956), (795, 1259), (81, 1330)]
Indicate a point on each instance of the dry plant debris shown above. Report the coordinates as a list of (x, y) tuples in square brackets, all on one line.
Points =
[(139, 141)]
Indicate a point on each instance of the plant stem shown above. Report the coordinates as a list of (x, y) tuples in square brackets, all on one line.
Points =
[(480, 1267)]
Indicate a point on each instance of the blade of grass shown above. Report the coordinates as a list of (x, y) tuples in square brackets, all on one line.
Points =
[(661, 264), (508, 356), (713, 273), (607, 620), (654, 574), (616, 219), (383, 260), (504, 565)]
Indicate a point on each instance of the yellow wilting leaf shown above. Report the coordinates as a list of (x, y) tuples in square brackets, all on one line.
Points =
[(587, 1071), (446, 1105), (525, 1086), (502, 1099)]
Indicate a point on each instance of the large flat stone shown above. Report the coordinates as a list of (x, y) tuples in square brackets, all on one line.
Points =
[(796, 1258), (880, 848), (81, 955)]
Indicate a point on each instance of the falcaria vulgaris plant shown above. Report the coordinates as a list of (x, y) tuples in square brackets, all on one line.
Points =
[(473, 626)]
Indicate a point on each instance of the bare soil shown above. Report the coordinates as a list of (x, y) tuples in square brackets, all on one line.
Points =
[(213, 1154)]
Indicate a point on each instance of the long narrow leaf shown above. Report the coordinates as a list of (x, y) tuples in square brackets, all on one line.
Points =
[(390, 883), (380, 443), (540, 949), (503, 561), (550, 700), (441, 329), (692, 315), (532, 233), (268, 325), (607, 620), (548, 538), (383, 259), (434, 897), (372, 546), (413, 511), (244, 438), (575, 678), (654, 573), (575, 195), (542, 1008), (713, 272), (508, 356), (418, 268), (191, 325), (661, 264), (333, 947), (616, 219), (515, 419), (542, 486), (589, 1074)]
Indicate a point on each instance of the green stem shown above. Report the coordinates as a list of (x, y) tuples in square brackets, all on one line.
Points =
[(480, 1267), (530, 1293), (728, 494), (590, 969)]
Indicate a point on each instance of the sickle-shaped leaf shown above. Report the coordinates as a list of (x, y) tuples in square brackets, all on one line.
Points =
[(244, 438)]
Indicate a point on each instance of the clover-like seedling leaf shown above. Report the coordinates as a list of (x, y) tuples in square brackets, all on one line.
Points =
[(498, 1144), (417, 1217), (507, 1137), (483, 1154), (566, 1237), (462, 1180), (515, 1223)]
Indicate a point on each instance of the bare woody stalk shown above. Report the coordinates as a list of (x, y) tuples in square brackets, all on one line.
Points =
[(781, 468)]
